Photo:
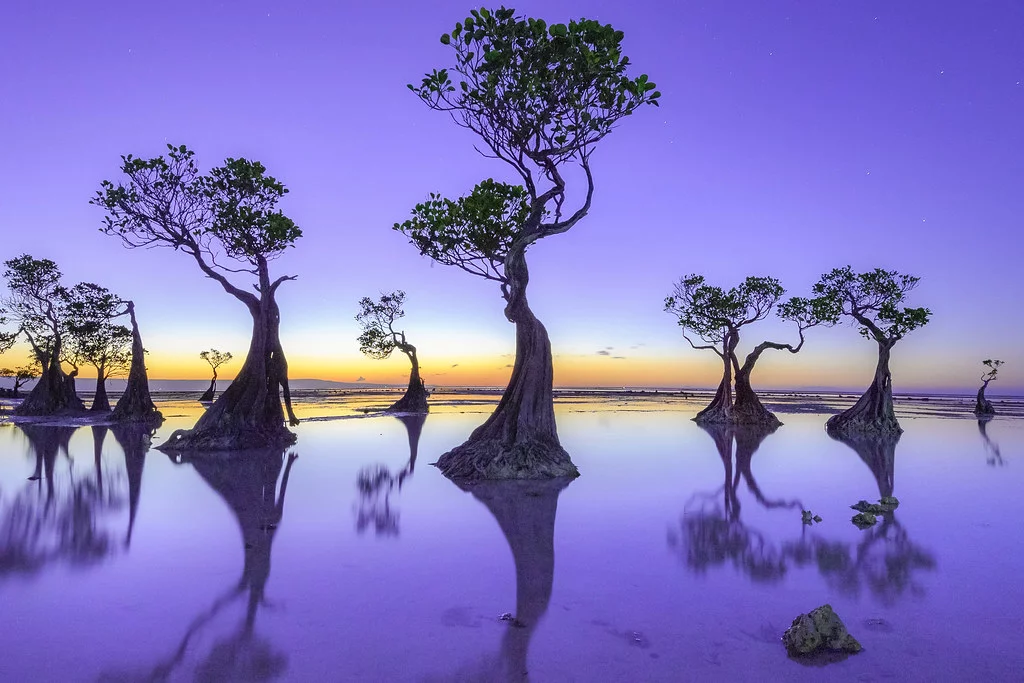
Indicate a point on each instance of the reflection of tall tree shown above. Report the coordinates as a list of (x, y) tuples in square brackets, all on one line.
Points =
[(377, 482), (995, 457), (55, 520), (714, 535), (878, 451), (247, 482), (525, 512), (134, 439)]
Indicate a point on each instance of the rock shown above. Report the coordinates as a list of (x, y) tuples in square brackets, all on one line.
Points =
[(819, 630), (890, 502), (886, 505), (809, 517), (863, 520)]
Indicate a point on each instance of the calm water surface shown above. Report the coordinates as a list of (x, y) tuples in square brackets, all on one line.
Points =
[(679, 554)]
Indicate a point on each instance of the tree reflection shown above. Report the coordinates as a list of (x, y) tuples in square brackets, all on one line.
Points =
[(993, 456), (248, 482), (525, 512), (376, 483), (55, 519), (714, 534), (885, 561)]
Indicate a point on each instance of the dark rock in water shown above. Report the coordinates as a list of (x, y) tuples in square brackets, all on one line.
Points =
[(863, 520), (883, 507), (809, 517), (891, 502), (820, 630)]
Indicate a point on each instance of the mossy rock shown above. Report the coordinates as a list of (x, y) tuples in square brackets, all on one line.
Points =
[(819, 630), (864, 520)]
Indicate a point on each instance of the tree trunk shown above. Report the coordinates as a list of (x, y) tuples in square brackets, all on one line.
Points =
[(210, 393), (519, 440), (983, 406), (873, 413), (248, 413), (748, 409), (415, 398), (135, 404), (100, 403), (54, 393)]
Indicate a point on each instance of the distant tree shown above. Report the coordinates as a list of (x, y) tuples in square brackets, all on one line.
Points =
[(33, 305), (216, 359), (540, 98), (226, 216), (20, 375), (94, 337), (717, 316), (873, 301), (983, 406), (379, 339)]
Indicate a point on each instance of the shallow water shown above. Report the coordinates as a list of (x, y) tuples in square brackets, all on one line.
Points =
[(678, 555)]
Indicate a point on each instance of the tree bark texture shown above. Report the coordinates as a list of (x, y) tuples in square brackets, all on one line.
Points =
[(519, 440), (136, 404), (873, 413), (415, 398), (739, 406), (248, 414), (983, 406)]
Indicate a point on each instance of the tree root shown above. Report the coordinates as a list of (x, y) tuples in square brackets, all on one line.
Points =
[(234, 440), (494, 459)]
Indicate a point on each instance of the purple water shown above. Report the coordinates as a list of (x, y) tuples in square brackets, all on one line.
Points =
[(675, 556)]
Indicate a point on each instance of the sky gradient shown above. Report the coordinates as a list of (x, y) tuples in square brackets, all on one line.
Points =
[(793, 137)]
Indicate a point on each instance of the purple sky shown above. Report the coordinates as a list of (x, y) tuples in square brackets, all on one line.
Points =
[(793, 137)]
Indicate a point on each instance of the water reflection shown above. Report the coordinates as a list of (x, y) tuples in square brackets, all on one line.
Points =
[(525, 512), (376, 483), (885, 562), (993, 456), (55, 519), (714, 534), (248, 483)]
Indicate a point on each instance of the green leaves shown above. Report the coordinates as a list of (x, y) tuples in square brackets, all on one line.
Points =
[(528, 95), (473, 232), (872, 299), (711, 312), (376, 317)]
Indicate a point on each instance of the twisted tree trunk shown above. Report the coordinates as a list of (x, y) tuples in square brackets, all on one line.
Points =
[(873, 413), (54, 393), (519, 440), (983, 406), (135, 404), (415, 398), (100, 402), (210, 393), (719, 411), (248, 413)]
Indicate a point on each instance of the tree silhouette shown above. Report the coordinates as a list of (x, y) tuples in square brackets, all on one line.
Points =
[(379, 339), (34, 306), (227, 216), (20, 375), (94, 338), (376, 484), (872, 300), (216, 359), (983, 406), (717, 316), (540, 99)]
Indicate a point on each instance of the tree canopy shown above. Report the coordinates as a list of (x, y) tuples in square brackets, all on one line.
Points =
[(991, 369), (33, 303), (872, 299), (226, 220), (93, 337), (215, 358), (377, 317)]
